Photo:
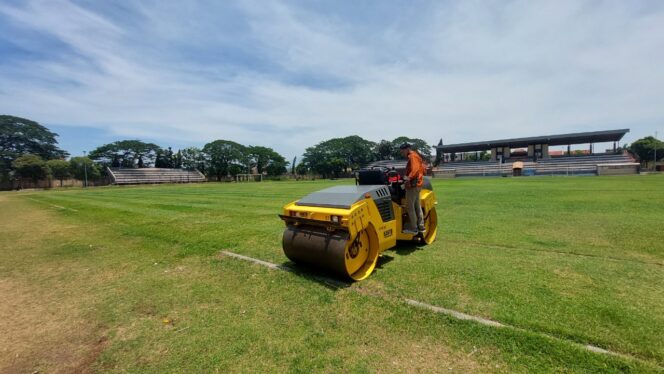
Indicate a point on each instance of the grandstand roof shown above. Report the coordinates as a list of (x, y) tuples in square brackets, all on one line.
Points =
[(562, 139)]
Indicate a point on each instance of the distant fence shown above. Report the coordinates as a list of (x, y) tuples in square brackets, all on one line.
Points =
[(284, 177), (55, 183), (49, 183), (557, 170)]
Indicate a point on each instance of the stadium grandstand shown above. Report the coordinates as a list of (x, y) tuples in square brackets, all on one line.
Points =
[(154, 176), (531, 156)]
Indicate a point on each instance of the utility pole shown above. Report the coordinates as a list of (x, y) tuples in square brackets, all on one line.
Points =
[(85, 169), (655, 163)]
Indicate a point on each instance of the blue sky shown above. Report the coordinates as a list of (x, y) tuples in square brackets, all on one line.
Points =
[(290, 74)]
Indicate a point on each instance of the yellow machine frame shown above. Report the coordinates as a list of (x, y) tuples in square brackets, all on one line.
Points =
[(362, 230)]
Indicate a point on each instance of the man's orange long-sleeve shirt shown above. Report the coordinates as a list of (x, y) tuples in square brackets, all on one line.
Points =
[(415, 168)]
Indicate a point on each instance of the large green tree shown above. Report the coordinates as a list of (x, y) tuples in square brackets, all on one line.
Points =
[(29, 166), (356, 151), (319, 159), (337, 155), (82, 166), (59, 169), (225, 157), (126, 153), (267, 160), (301, 169), (647, 147), (19, 136), (418, 144), (164, 158), (384, 150), (193, 159), (177, 159)]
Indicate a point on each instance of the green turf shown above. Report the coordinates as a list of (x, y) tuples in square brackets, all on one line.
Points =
[(577, 258)]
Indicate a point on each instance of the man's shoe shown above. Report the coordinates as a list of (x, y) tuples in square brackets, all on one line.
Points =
[(409, 232)]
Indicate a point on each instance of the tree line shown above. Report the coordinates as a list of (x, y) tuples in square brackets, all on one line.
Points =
[(216, 159), (333, 157), (29, 150)]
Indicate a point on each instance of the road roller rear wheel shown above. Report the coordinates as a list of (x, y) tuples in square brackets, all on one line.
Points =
[(431, 225)]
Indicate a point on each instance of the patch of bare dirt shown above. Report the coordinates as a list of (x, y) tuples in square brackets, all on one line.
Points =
[(42, 333), (45, 325)]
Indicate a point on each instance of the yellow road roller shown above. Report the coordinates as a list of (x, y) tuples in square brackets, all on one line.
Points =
[(345, 228)]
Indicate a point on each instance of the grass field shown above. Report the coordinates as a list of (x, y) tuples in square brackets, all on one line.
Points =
[(130, 279)]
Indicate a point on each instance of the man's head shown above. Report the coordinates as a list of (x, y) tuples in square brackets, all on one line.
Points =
[(404, 149)]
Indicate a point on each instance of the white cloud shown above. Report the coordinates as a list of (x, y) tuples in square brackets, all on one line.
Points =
[(289, 77)]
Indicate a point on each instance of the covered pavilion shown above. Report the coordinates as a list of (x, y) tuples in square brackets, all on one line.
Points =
[(538, 146)]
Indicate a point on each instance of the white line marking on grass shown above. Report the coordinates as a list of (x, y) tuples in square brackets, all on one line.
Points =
[(454, 313), (488, 322), (449, 312), (328, 281), (256, 261), (53, 205), (593, 348)]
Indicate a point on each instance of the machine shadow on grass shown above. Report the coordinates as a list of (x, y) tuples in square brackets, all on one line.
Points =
[(323, 277), (383, 259), (405, 248)]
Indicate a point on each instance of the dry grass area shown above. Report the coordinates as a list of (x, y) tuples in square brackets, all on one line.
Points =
[(45, 325), (40, 332)]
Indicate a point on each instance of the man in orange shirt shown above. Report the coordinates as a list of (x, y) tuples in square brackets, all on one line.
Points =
[(414, 179)]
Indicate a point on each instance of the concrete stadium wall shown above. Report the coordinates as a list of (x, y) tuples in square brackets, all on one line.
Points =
[(46, 183), (618, 169)]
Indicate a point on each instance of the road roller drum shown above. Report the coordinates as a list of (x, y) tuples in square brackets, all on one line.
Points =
[(337, 251)]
